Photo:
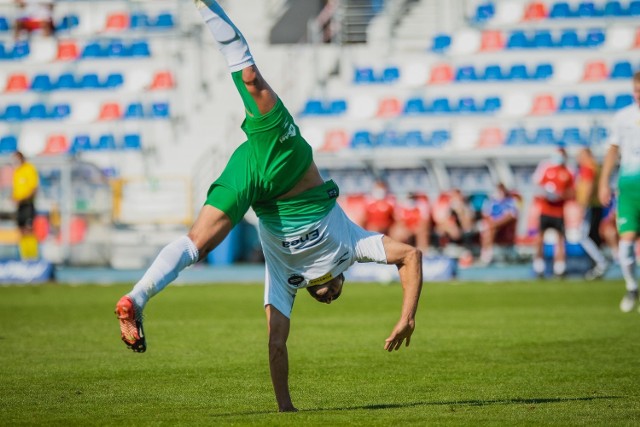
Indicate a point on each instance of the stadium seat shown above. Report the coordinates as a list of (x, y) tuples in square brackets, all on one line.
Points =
[(415, 106), (544, 105), (37, 111), (17, 83), (105, 142), (118, 21), (163, 21), (362, 139), (622, 101), (337, 107), (41, 83), (134, 111), (389, 138), (543, 71), (570, 104), (93, 50), (389, 107), (587, 9), (335, 140), (56, 144), (613, 9), (66, 81), (140, 49), (543, 39), (493, 72), (67, 50), (536, 11), (518, 40), (68, 22), (598, 135), (440, 106), (313, 107), (484, 12), (467, 105), (364, 75), (441, 43), (634, 8), (60, 111), (8, 144), (4, 24), (139, 20), (595, 71), (132, 141), (466, 74), (545, 136), (21, 50), (12, 113), (597, 103), (439, 138), (491, 137), (594, 38), (572, 136), (492, 105), (441, 73), (518, 72), (113, 81), (117, 49), (622, 70), (517, 136), (160, 110), (81, 143), (162, 80), (41, 227), (110, 111), (391, 75), (569, 40), (561, 10), (90, 81), (414, 138), (492, 40)]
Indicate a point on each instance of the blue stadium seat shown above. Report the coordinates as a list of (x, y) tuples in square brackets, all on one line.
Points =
[(117, 49), (12, 113), (518, 72), (80, 143), (66, 81), (598, 135), (362, 139), (160, 110), (41, 83), (414, 138), (441, 106), (391, 74), (543, 39), (622, 101), (493, 73), (93, 50), (60, 111), (634, 8), (614, 9), (338, 107), (518, 40), (439, 138), (68, 22), (132, 142), (114, 80), (492, 105), (561, 10), (164, 21), (572, 136), (569, 39), (106, 142), (570, 104), (594, 38), (364, 75), (545, 136), (134, 111), (485, 12), (140, 49), (138, 20), (466, 74), (313, 107), (21, 49), (517, 136), (389, 138), (622, 70), (441, 43), (37, 111), (588, 9), (597, 103), (8, 144), (467, 105), (4, 24), (415, 106), (543, 71), (3, 54), (90, 81)]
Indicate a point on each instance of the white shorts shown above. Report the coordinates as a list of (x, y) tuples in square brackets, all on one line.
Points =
[(315, 255)]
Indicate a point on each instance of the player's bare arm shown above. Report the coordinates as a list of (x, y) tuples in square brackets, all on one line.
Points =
[(278, 327), (409, 262), (610, 160)]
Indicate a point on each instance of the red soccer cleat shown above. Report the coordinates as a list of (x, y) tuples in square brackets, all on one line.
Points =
[(131, 325)]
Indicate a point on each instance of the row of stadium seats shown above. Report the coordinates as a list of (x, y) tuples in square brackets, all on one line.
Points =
[(70, 50), (492, 11), (337, 140), (446, 73), (118, 21), (60, 144), (540, 105), (43, 82), (466, 42), (105, 112)]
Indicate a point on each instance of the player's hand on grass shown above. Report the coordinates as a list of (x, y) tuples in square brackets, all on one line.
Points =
[(401, 331)]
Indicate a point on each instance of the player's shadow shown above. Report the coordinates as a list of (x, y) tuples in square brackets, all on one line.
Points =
[(452, 403)]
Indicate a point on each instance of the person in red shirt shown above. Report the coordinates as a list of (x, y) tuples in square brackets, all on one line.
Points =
[(379, 212), (555, 183), (412, 221)]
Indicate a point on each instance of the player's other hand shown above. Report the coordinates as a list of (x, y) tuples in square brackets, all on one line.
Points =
[(604, 194), (402, 331)]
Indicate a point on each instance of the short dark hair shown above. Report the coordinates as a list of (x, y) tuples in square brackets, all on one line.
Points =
[(19, 155)]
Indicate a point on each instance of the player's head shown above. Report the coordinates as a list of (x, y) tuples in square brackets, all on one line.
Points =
[(636, 87), (559, 156), (329, 291), (18, 157)]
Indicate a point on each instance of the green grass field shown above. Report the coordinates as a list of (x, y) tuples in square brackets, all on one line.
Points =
[(533, 353)]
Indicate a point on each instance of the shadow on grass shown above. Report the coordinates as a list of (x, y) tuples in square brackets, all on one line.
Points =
[(378, 406)]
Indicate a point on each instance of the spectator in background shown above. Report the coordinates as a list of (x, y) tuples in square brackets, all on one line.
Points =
[(379, 212), (25, 187), (555, 184), (587, 198), (412, 223), (456, 225), (34, 15), (499, 219)]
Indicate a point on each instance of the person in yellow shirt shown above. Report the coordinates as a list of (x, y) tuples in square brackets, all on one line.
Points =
[(25, 187)]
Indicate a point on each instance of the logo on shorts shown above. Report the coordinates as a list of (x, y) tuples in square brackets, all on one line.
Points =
[(290, 130), (295, 280), (302, 242)]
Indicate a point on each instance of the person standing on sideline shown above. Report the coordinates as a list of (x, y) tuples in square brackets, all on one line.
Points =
[(555, 183), (25, 188), (624, 144), (499, 220), (307, 239), (592, 212)]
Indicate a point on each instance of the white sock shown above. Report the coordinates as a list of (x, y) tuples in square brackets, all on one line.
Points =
[(593, 251), (559, 267), (538, 265), (229, 39), (171, 260), (627, 260)]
